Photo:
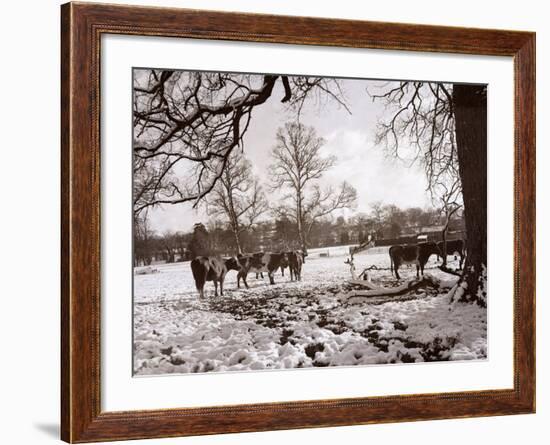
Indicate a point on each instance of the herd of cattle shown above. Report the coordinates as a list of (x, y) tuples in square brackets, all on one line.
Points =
[(214, 268), (420, 253)]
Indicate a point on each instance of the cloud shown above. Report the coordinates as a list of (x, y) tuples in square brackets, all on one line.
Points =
[(375, 176)]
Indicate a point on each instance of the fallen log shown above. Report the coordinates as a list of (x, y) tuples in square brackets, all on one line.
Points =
[(365, 283), (425, 281)]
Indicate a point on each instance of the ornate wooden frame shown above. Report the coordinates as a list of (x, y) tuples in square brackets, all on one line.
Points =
[(81, 28)]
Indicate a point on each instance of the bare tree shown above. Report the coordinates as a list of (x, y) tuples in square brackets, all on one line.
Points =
[(187, 124), (143, 240), (422, 126), (169, 244), (151, 178), (444, 126), (297, 166), (237, 197), (322, 203), (181, 241)]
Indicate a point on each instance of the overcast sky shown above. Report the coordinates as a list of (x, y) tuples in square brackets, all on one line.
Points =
[(349, 137)]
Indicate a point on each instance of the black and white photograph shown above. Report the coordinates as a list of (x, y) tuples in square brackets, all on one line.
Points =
[(286, 221), (275, 222)]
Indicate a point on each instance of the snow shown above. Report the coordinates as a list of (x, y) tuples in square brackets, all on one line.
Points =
[(145, 270), (298, 324)]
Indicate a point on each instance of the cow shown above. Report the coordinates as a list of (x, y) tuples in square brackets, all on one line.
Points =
[(212, 268), (296, 258), (411, 253), (453, 247), (284, 266), (258, 263)]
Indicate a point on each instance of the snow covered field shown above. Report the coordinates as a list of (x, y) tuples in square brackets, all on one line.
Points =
[(297, 324)]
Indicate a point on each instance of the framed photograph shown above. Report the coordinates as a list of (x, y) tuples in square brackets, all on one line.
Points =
[(274, 222)]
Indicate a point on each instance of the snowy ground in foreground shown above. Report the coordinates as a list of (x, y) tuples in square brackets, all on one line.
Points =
[(296, 324)]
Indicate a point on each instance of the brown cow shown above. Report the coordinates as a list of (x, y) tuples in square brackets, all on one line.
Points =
[(211, 268), (454, 246), (296, 259), (258, 263), (418, 254)]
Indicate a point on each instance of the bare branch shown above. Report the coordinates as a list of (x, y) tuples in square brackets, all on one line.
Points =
[(422, 129), (187, 124), (297, 165)]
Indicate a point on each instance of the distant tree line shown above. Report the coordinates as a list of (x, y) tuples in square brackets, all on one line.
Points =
[(168, 247), (382, 222)]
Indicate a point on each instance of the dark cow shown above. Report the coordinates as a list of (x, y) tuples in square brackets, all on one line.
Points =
[(296, 258), (258, 263), (411, 253), (289, 254), (214, 269), (454, 247)]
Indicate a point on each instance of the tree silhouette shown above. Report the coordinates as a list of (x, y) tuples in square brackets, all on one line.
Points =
[(187, 124), (297, 166), (237, 197)]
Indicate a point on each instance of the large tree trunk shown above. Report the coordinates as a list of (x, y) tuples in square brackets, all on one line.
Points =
[(236, 232), (234, 222), (444, 239), (470, 110), (300, 221)]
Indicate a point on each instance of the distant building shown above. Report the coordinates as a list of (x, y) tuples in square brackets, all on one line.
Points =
[(456, 230), (433, 233), (430, 233)]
